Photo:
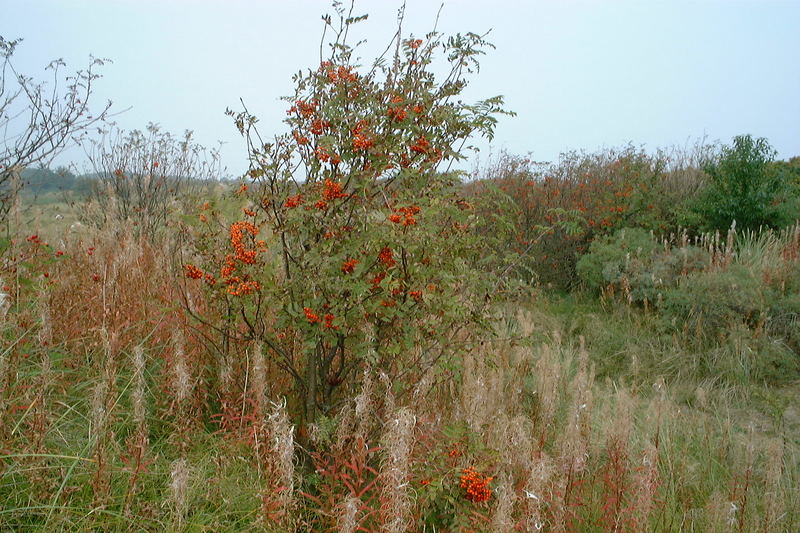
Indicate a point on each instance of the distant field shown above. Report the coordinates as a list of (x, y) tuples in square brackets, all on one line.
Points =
[(50, 216)]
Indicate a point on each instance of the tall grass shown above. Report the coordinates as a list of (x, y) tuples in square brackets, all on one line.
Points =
[(117, 415)]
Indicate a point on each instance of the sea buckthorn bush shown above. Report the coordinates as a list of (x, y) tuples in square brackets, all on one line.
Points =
[(633, 263), (709, 289), (354, 248)]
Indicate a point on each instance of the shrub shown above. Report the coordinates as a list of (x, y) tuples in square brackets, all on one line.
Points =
[(144, 176), (39, 122), (788, 170), (355, 248), (710, 302), (558, 209), (746, 188), (608, 257), (633, 263)]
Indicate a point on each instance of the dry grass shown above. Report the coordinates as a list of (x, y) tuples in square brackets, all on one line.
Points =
[(115, 412)]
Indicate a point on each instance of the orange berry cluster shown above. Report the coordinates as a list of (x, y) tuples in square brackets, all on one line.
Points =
[(349, 266), (305, 109), (242, 287), (192, 272), (360, 140), (401, 290), (302, 140), (398, 114), (332, 190), (293, 201), (476, 485), (376, 281), (386, 257), (313, 318), (325, 156), (238, 230), (340, 74), (361, 143), (238, 286), (405, 215), (421, 146), (318, 126)]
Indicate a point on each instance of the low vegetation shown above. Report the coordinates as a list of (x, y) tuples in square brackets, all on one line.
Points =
[(354, 337)]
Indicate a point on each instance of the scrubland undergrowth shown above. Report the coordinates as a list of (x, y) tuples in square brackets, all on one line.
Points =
[(115, 418), (352, 338)]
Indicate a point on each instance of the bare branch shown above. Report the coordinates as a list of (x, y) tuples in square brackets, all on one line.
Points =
[(39, 121)]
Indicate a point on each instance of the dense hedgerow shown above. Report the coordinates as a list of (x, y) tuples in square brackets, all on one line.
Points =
[(558, 209)]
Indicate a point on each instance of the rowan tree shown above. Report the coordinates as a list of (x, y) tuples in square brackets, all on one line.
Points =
[(355, 249)]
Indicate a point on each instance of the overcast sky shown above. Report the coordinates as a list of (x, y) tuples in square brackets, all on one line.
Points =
[(579, 74)]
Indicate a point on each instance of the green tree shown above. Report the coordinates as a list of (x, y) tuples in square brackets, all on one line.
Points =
[(745, 187)]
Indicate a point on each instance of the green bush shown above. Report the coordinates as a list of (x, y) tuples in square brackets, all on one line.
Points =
[(742, 328), (710, 302), (745, 186), (632, 260), (789, 171), (609, 257)]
